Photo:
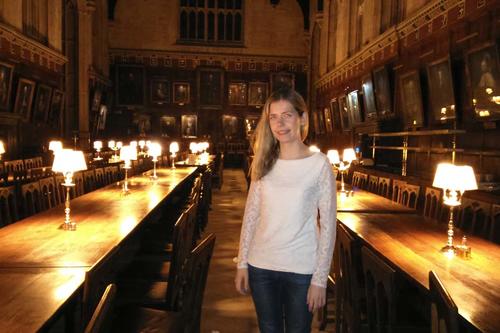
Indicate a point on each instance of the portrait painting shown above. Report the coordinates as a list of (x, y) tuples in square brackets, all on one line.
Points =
[(42, 103), (6, 71), (210, 87), (321, 121), (130, 87), (251, 124), (257, 93), (382, 90), (160, 91), (315, 122), (96, 100), (484, 77), (24, 98), (237, 93), (189, 124), (354, 108), (56, 109), (282, 80), (411, 100), (441, 93), (335, 112), (102, 116), (328, 120), (167, 126), (369, 97), (344, 113), (143, 123), (181, 93), (230, 126)]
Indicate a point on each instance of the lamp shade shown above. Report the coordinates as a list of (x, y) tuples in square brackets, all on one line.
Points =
[(193, 146), (2, 148), (97, 144), (133, 144), (119, 144), (55, 145), (111, 144), (142, 143), (154, 149), (314, 149), (174, 147), (128, 153), (69, 160), (348, 155), (333, 156), (455, 177)]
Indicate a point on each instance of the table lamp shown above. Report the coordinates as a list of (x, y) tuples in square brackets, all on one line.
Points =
[(55, 146), (127, 154), (142, 144), (2, 149), (174, 148), (112, 144), (68, 161), (154, 152), (98, 147), (454, 180), (347, 157)]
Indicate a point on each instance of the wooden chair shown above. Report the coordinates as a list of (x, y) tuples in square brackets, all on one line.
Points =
[(101, 315), (433, 200), (79, 188), (14, 165), (100, 177), (60, 190), (89, 181), (494, 235), (187, 318), (359, 179), (111, 173), (50, 197), (384, 314), (32, 198), (475, 217), (384, 186), (8, 206), (31, 163), (373, 184), (409, 195), (397, 186), (444, 312)]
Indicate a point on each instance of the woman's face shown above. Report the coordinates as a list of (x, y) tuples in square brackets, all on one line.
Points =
[(285, 122)]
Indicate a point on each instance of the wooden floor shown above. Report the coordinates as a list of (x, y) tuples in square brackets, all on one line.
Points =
[(224, 310)]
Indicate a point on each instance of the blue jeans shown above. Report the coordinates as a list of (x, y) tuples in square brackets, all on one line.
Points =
[(280, 299)]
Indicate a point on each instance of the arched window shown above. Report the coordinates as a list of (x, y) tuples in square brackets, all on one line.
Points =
[(217, 22)]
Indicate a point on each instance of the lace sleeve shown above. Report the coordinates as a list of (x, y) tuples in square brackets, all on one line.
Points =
[(328, 221), (250, 220)]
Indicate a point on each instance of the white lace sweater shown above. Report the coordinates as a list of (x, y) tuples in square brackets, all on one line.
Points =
[(280, 228)]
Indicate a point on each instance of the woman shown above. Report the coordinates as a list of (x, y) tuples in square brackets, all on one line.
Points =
[(285, 250)]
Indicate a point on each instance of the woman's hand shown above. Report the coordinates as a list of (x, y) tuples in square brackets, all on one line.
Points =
[(241, 281), (316, 297)]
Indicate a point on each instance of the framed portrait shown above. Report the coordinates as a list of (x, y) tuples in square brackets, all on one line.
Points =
[(257, 93), (328, 120), (42, 103), (237, 93), (24, 98), (230, 126), (167, 126), (130, 85), (56, 109), (369, 97), (189, 126), (315, 122), (321, 121), (344, 113), (354, 108), (484, 77), (101, 119), (282, 80), (251, 124), (335, 112), (411, 99), (382, 90), (182, 93), (441, 93), (96, 99), (6, 71), (160, 91), (210, 87)]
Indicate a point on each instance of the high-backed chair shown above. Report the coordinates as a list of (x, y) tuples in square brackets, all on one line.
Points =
[(100, 177), (50, 197), (433, 203), (359, 179), (89, 181), (475, 217), (31, 163), (14, 165), (384, 186), (79, 188), (397, 186), (111, 173), (101, 317), (409, 195), (8, 205), (494, 234), (373, 183), (444, 312), (60, 190), (32, 198)]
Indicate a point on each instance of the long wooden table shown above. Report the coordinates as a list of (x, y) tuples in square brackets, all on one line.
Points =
[(366, 202), (43, 266), (412, 244)]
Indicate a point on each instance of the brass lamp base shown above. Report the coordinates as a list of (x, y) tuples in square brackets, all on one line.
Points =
[(68, 226), (449, 249)]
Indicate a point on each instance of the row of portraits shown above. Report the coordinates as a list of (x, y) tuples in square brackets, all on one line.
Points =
[(33, 101), (210, 87), (483, 72)]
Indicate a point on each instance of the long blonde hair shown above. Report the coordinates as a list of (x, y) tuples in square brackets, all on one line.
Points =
[(265, 146)]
